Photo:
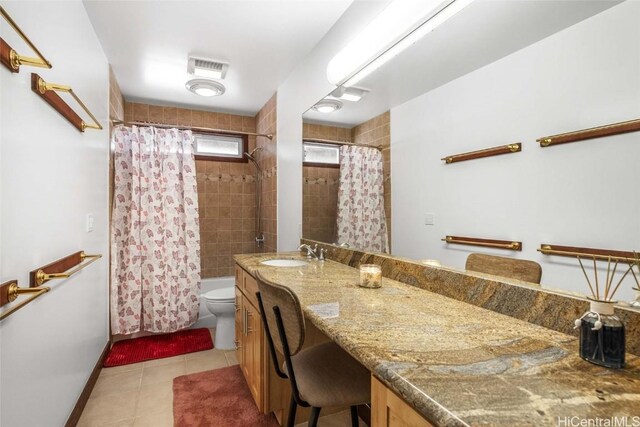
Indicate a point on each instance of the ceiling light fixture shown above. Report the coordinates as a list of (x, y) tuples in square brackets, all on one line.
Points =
[(205, 87), (397, 27), (327, 106), (352, 94), (207, 68)]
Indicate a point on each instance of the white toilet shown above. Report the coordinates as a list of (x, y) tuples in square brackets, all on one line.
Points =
[(221, 303)]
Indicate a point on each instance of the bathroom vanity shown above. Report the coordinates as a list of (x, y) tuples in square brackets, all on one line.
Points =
[(270, 392), (436, 360)]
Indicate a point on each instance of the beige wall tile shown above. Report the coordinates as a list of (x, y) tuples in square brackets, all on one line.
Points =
[(140, 112)]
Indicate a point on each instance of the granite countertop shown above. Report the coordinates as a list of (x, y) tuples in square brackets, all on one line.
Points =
[(456, 363)]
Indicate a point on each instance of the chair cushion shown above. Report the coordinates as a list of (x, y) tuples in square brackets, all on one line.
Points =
[(328, 376)]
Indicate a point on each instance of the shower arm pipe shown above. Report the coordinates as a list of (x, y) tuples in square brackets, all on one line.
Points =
[(192, 128), (258, 224), (329, 141)]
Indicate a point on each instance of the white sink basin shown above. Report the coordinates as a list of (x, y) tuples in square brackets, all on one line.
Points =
[(284, 263)]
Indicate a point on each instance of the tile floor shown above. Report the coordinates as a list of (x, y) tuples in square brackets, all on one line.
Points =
[(142, 394)]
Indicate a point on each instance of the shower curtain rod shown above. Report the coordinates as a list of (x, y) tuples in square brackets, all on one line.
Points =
[(193, 128), (329, 141)]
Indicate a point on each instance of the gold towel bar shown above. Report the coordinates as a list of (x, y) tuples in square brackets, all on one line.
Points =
[(11, 291), (487, 152), (490, 243), (42, 277), (11, 59), (595, 132), (45, 89), (574, 251)]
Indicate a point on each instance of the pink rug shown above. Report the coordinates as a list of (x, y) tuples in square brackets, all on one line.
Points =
[(216, 398)]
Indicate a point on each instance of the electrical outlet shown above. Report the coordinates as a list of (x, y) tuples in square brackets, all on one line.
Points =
[(429, 218)]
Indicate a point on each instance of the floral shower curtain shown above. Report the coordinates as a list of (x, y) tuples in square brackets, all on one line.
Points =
[(155, 236), (361, 219)]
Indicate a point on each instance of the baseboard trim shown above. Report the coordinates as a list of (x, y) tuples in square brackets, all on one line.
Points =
[(88, 388)]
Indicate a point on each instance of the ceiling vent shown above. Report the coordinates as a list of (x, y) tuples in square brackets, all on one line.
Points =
[(207, 68)]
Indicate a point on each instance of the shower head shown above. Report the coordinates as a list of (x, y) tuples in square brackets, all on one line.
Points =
[(254, 151), (251, 156)]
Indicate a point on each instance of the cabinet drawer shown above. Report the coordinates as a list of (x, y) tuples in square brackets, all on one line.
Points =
[(239, 272), (250, 288)]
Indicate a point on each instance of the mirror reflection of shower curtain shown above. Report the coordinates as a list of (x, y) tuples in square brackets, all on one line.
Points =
[(361, 221), (155, 235)]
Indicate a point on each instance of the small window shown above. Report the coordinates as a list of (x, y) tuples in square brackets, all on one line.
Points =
[(230, 148), (321, 154)]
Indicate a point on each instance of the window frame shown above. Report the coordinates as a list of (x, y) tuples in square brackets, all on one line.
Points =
[(320, 165), (217, 158)]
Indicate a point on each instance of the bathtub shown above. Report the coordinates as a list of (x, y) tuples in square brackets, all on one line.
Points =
[(206, 319)]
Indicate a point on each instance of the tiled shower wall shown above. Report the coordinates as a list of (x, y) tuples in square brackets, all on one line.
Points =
[(116, 101), (320, 185), (116, 112), (377, 132), (226, 190), (320, 188), (266, 121)]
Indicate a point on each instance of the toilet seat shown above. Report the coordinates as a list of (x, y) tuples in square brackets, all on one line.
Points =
[(221, 295)]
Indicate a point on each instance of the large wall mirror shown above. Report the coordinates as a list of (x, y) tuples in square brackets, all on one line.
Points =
[(495, 74)]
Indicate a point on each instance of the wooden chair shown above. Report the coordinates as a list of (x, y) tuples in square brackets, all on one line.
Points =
[(321, 376), (521, 269)]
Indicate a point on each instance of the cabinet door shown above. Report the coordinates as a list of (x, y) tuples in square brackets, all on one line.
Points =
[(254, 354), (388, 410), (239, 327)]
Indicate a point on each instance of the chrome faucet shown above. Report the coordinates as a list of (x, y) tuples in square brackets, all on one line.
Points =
[(313, 252)]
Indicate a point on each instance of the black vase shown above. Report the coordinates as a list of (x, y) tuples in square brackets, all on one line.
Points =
[(602, 339)]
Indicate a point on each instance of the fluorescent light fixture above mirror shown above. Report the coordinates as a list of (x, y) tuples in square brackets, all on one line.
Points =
[(398, 26)]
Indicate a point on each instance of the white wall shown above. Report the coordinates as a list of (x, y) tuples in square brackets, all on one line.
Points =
[(51, 176), (305, 86), (579, 194)]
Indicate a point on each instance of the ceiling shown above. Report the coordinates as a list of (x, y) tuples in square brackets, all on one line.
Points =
[(147, 44), (484, 32)]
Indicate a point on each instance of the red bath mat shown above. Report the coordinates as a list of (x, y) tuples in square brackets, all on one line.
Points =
[(216, 398), (158, 347)]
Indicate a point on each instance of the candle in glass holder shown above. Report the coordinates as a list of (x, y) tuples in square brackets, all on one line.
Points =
[(370, 276)]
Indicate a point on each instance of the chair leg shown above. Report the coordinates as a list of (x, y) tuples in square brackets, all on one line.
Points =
[(291, 419), (315, 414), (354, 416)]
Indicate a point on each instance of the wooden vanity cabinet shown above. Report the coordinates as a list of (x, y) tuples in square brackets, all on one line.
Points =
[(251, 346), (270, 392)]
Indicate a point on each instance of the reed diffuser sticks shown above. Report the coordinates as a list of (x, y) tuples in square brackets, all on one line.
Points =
[(609, 291)]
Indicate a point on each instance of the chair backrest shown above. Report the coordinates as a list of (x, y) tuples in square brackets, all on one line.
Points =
[(274, 295), (521, 269)]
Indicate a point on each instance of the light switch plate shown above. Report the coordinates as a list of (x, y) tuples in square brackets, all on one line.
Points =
[(429, 218), (89, 223)]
